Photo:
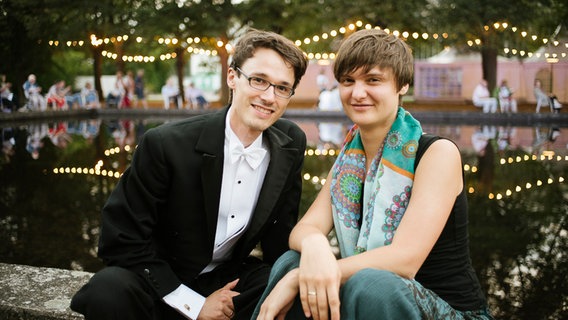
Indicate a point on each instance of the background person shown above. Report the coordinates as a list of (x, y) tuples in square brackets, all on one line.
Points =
[(397, 202), (195, 98), (115, 97), (9, 101), (482, 98), (545, 99), (322, 80), (89, 97), (139, 89), (171, 94), (32, 92), (506, 100), (200, 194), (56, 95), (330, 132)]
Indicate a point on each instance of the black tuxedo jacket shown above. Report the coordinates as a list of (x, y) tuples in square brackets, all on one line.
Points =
[(160, 220)]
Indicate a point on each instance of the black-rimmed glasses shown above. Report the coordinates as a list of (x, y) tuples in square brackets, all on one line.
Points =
[(263, 85)]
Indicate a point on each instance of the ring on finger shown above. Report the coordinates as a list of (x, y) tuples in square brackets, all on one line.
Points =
[(312, 293)]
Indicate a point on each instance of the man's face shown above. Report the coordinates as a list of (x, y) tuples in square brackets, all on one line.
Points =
[(255, 110)]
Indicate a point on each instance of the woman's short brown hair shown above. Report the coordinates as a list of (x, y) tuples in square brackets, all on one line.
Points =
[(254, 39), (375, 48)]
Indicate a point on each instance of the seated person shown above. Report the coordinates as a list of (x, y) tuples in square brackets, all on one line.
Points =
[(116, 96), (330, 132), (32, 92), (195, 98), (506, 100), (482, 98), (89, 97), (545, 99), (8, 100), (171, 94), (200, 195), (56, 95), (397, 201)]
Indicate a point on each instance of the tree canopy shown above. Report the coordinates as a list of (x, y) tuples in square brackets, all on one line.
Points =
[(37, 33)]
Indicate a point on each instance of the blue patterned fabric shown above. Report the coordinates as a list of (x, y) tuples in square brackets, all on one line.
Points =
[(367, 218)]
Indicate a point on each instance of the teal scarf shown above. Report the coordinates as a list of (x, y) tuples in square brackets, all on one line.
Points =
[(367, 207)]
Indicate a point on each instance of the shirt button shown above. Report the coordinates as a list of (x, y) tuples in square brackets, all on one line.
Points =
[(239, 182), (233, 216)]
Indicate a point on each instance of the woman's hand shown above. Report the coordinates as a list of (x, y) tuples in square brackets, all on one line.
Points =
[(319, 279), (281, 298)]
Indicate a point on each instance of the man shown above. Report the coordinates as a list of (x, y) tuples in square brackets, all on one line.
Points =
[(179, 227), (481, 98)]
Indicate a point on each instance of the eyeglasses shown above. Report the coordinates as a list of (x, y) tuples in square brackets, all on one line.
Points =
[(263, 85)]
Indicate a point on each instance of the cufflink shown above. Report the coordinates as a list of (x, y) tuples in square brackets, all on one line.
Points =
[(186, 307)]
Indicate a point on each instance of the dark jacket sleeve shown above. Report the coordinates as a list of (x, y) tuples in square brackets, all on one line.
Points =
[(129, 217)]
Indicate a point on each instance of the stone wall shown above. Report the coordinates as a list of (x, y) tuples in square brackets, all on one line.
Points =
[(37, 293)]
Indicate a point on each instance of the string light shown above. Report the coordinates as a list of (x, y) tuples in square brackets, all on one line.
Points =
[(332, 152), (316, 38), (545, 156), (98, 169)]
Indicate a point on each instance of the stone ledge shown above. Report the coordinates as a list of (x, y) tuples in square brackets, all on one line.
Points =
[(38, 293)]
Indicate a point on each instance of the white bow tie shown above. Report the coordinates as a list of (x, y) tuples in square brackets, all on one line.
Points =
[(252, 155)]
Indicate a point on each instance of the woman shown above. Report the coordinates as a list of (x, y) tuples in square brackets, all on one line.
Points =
[(401, 226)]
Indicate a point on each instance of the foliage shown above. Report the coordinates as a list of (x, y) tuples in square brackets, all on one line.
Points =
[(471, 20), (519, 249), (28, 26)]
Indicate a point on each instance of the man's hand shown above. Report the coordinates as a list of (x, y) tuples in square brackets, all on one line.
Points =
[(219, 305)]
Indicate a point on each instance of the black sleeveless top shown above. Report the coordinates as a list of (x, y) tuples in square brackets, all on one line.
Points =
[(447, 270)]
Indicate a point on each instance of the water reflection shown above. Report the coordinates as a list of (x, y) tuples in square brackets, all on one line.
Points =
[(56, 177)]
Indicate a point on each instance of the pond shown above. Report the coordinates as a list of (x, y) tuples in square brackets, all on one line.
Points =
[(56, 176)]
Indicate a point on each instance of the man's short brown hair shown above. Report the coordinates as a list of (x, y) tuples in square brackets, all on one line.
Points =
[(254, 39)]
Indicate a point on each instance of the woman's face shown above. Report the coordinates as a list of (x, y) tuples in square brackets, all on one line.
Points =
[(370, 98)]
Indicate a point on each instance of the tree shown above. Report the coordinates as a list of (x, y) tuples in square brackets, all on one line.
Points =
[(477, 21), (99, 20), (28, 26), (189, 20), (22, 51)]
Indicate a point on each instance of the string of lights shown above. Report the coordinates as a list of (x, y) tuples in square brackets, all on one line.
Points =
[(545, 156), (407, 35), (98, 170)]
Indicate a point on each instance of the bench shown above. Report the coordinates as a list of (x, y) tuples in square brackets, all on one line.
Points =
[(38, 293)]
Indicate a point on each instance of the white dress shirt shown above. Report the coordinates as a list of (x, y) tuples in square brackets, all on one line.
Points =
[(243, 175)]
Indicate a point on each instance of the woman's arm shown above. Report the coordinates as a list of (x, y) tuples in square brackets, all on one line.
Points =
[(437, 182), (319, 276)]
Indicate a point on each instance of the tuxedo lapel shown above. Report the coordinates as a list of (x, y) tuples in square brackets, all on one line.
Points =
[(211, 145), (281, 164)]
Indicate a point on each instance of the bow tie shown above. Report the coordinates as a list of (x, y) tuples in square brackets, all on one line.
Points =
[(252, 155)]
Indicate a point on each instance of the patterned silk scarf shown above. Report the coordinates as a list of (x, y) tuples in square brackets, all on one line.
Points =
[(367, 207)]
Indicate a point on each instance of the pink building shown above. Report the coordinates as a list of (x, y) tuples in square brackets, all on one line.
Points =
[(452, 77), (449, 76)]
